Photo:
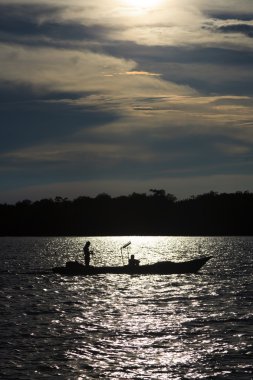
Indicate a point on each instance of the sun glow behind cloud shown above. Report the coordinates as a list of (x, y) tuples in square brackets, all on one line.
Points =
[(141, 5)]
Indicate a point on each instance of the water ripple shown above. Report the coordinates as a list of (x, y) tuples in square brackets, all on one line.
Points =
[(121, 326)]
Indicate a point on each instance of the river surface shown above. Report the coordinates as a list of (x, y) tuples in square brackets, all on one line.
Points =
[(121, 326)]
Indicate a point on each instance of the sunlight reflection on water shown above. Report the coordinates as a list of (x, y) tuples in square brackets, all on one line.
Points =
[(121, 326)]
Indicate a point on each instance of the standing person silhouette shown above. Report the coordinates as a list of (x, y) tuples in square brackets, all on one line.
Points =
[(87, 253)]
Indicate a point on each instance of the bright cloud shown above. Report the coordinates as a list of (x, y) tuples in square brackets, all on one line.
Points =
[(68, 70)]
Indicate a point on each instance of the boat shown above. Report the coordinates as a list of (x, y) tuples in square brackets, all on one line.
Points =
[(74, 268)]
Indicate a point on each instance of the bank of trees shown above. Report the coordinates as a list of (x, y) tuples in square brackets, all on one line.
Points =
[(155, 213)]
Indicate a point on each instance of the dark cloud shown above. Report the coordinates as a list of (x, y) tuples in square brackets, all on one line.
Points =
[(238, 28), (231, 15), (230, 22), (187, 156), (173, 54), (38, 122), (176, 64), (24, 19), (24, 24), (16, 92)]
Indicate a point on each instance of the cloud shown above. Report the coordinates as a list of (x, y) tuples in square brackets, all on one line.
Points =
[(170, 23), (37, 122), (193, 35), (45, 25), (233, 26), (141, 73), (175, 135), (106, 92), (48, 69), (58, 70), (234, 149)]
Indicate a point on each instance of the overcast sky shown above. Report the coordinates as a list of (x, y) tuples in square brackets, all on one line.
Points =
[(119, 96)]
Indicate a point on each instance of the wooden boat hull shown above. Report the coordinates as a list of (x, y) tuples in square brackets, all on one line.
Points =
[(74, 268)]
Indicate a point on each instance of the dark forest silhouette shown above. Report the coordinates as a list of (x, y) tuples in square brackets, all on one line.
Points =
[(156, 213)]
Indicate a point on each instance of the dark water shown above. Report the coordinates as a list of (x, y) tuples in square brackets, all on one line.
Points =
[(121, 326)]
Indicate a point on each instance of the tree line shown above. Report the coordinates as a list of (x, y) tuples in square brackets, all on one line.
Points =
[(155, 213)]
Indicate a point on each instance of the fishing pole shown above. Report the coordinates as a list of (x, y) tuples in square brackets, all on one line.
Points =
[(121, 249)]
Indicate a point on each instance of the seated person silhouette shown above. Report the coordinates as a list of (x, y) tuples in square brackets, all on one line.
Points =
[(132, 262)]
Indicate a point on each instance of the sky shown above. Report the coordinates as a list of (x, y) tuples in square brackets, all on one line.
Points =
[(121, 96)]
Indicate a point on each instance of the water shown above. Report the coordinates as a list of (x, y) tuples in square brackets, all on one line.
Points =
[(122, 326)]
